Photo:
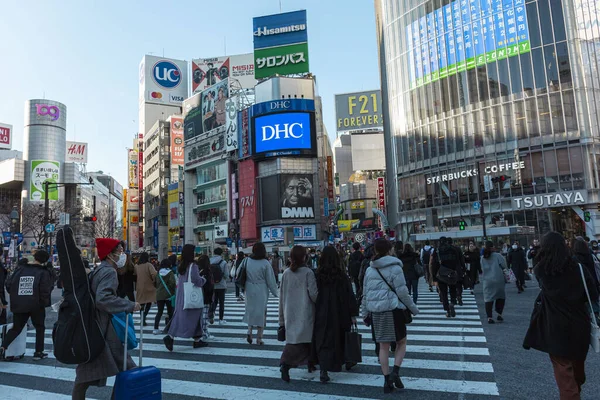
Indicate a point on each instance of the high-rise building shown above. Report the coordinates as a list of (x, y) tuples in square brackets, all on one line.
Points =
[(491, 104)]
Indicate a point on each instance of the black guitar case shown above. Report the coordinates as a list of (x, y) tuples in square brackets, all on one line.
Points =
[(77, 337)]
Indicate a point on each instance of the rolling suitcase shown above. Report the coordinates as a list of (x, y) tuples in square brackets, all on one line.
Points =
[(141, 382), (17, 348)]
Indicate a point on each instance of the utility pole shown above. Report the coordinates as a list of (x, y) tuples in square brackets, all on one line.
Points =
[(46, 212), (481, 210)]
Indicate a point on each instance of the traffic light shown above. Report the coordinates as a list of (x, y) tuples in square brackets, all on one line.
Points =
[(90, 219), (462, 225), (500, 179), (587, 217)]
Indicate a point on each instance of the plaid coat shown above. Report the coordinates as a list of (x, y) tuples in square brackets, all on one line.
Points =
[(104, 284)]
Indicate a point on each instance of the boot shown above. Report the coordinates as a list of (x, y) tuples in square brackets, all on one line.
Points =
[(324, 377), (395, 377), (285, 372), (388, 385)]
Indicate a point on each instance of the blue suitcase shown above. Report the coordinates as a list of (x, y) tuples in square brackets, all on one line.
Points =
[(138, 383)]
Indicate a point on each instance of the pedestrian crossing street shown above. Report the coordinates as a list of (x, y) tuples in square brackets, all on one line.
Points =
[(446, 358)]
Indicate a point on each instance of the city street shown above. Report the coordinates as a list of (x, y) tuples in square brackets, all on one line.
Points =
[(447, 359)]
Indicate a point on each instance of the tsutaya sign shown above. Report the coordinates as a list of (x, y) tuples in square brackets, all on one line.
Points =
[(490, 169), (558, 199)]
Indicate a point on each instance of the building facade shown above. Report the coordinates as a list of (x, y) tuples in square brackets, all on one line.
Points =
[(498, 89)]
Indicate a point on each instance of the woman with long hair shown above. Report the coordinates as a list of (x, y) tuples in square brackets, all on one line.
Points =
[(145, 284), (259, 282), (560, 323), (336, 310), (473, 260), (385, 298), (238, 290), (126, 277), (493, 266), (186, 323), (409, 260), (298, 294), (207, 291)]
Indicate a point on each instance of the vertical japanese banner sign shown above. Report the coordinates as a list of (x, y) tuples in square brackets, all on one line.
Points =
[(177, 141), (42, 171), (132, 164), (231, 123), (141, 186), (381, 193), (330, 178)]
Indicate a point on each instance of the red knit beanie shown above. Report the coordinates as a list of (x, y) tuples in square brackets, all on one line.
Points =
[(105, 246)]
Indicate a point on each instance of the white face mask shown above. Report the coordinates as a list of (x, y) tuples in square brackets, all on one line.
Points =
[(121, 261), (514, 246)]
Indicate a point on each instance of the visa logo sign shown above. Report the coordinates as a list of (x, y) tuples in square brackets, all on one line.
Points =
[(176, 99), (283, 131)]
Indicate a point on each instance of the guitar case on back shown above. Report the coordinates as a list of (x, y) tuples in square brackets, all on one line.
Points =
[(76, 336)]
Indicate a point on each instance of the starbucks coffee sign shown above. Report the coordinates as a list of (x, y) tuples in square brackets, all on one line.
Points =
[(559, 199), (490, 169)]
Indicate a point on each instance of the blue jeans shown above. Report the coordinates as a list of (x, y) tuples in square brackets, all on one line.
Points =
[(413, 287)]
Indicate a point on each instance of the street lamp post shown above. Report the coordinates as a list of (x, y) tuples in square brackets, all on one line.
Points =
[(14, 221)]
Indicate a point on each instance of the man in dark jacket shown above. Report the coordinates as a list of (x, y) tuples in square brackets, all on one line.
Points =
[(3, 302), (354, 263), (517, 261), (29, 287), (446, 256)]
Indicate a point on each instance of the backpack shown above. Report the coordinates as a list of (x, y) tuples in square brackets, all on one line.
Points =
[(355, 262), (77, 338), (216, 271), (426, 256)]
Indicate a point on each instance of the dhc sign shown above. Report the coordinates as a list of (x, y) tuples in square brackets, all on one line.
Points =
[(284, 131)]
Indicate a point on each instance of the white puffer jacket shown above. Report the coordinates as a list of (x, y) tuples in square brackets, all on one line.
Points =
[(378, 297)]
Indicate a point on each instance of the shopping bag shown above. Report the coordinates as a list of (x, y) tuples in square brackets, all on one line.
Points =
[(281, 334), (353, 346), (509, 276), (120, 324), (193, 296)]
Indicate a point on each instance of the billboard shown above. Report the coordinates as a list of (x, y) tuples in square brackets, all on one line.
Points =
[(297, 196), (463, 35), (42, 171), (368, 151), (282, 60), (359, 110), (190, 103), (270, 234), (132, 166), (244, 143), (213, 106), (231, 123), (280, 44), (247, 198), (5, 136), (77, 152), (287, 133), (203, 150), (381, 193), (163, 80), (347, 225), (173, 201), (209, 71), (177, 141)]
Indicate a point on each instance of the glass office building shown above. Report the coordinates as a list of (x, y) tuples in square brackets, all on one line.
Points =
[(482, 89)]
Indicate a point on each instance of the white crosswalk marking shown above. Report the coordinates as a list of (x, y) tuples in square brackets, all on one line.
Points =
[(444, 355)]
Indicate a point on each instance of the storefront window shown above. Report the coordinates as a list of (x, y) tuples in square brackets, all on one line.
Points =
[(552, 179), (212, 194), (211, 173), (212, 216), (537, 164), (564, 169), (577, 159)]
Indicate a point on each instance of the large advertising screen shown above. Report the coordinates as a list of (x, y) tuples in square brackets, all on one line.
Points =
[(44, 171), (463, 35), (288, 133), (210, 71), (211, 113), (297, 198)]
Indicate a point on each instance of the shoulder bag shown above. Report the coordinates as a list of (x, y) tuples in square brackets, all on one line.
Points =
[(240, 281), (447, 275), (172, 297), (595, 331), (193, 297), (419, 270), (407, 314)]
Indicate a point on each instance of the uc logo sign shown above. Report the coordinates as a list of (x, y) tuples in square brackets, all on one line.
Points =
[(166, 74)]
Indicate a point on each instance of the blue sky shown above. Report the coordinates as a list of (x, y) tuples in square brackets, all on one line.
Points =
[(86, 54)]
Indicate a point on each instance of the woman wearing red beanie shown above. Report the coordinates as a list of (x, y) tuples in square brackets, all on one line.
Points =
[(104, 283)]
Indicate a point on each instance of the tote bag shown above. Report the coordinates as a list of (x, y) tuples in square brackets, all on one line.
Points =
[(122, 329), (353, 346), (595, 331), (193, 298)]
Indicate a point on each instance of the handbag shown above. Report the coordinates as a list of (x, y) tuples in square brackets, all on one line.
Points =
[(368, 320), (447, 275), (509, 276), (193, 296), (122, 329), (595, 331), (281, 334), (353, 346), (406, 312), (172, 297), (419, 270), (242, 276)]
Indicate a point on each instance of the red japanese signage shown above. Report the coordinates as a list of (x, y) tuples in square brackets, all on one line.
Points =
[(245, 131), (330, 179), (381, 194), (141, 184), (247, 199)]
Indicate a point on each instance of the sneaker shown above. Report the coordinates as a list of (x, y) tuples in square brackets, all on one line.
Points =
[(491, 321), (200, 344), (211, 321), (500, 319), (222, 322), (39, 356), (156, 332), (452, 311), (168, 340)]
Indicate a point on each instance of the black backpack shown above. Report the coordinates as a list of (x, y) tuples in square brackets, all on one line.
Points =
[(355, 262), (77, 337), (216, 271), (426, 256)]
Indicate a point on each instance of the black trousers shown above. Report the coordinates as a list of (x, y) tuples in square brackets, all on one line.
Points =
[(3, 314), (218, 297), (499, 307), (520, 275), (146, 307), (160, 305), (444, 289), (38, 318), (80, 390)]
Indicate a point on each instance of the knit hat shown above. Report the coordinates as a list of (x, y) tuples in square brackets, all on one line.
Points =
[(105, 246)]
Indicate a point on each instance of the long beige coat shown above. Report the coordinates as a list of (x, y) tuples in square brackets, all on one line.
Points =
[(297, 297), (145, 285)]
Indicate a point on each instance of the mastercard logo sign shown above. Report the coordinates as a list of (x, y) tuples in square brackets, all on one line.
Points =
[(156, 95)]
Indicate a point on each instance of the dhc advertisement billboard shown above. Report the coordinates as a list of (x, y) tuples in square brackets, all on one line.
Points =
[(286, 133)]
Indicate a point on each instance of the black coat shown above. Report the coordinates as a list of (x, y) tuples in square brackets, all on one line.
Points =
[(3, 273), (335, 307), (409, 260), (517, 260), (560, 323), (30, 288), (354, 263), (587, 261), (209, 287), (474, 259)]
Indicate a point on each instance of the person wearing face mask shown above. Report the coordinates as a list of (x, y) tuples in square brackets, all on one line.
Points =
[(313, 261), (145, 283), (103, 284), (532, 252), (473, 261), (517, 261)]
